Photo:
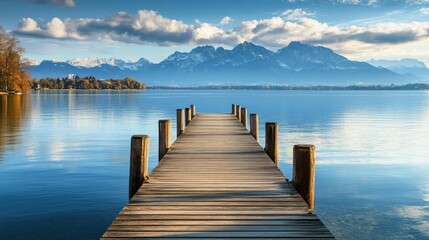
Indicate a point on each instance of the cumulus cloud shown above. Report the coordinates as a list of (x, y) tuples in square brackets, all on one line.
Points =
[(144, 27), (53, 29), (292, 25), (349, 1), (67, 3), (225, 20), (362, 2), (372, 2), (294, 14), (419, 2), (424, 10)]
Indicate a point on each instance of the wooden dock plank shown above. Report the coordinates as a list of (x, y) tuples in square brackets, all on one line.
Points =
[(216, 182)]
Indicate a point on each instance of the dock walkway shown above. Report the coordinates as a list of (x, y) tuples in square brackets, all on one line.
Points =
[(216, 182)]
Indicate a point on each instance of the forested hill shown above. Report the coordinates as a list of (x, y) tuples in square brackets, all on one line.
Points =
[(87, 83)]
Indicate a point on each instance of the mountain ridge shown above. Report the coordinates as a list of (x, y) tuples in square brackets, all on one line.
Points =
[(406, 66), (246, 63)]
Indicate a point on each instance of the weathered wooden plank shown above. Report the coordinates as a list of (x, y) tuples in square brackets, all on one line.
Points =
[(217, 228), (209, 218), (221, 203), (226, 234), (145, 222), (217, 238), (216, 208), (154, 198), (291, 210)]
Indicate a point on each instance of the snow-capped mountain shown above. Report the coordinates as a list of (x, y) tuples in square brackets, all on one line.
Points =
[(298, 56), (246, 63), (91, 62), (405, 66)]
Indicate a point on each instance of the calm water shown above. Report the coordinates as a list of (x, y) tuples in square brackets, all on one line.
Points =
[(64, 156)]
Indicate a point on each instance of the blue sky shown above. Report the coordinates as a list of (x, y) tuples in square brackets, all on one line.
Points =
[(154, 29)]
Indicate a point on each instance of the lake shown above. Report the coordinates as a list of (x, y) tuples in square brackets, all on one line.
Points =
[(64, 156)]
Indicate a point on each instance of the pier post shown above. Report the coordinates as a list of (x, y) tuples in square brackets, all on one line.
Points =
[(164, 127), (254, 128), (138, 163), (233, 109), (188, 116), (271, 141), (192, 111), (304, 164), (244, 117), (238, 112), (180, 121)]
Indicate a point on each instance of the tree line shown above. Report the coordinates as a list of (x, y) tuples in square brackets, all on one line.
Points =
[(87, 83), (13, 76)]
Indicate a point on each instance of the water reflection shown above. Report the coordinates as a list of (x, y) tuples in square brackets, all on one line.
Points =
[(13, 112), (372, 150), (418, 215)]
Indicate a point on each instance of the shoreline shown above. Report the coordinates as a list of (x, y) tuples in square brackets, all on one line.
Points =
[(406, 87)]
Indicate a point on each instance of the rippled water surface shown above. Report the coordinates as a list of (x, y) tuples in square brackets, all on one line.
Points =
[(64, 156)]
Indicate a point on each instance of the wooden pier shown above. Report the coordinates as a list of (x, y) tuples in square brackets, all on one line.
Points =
[(215, 181)]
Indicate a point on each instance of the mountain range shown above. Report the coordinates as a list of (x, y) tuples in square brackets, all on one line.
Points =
[(407, 66), (246, 64)]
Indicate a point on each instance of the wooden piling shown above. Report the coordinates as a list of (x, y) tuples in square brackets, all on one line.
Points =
[(188, 116), (233, 109), (304, 164), (244, 117), (180, 121), (139, 153), (271, 141), (164, 127), (238, 112), (254, 128), (192, 111)]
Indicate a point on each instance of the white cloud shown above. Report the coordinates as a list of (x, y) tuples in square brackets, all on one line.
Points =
[(424, 10), (225, 20), (419, 2), (361, 2), (144, 27), (29, 25), (350, 1), (294, 14), (56, 28), (53, 29), (372, 2), (293, 25)]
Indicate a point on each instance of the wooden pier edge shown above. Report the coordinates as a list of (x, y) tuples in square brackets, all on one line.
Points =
[(180, 119), (217, 182), (164, 129), (193, 111), (238, 112), (272, 141), (304, 165), (188, 116), (244, 117), (254, 125), (139, 157)]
